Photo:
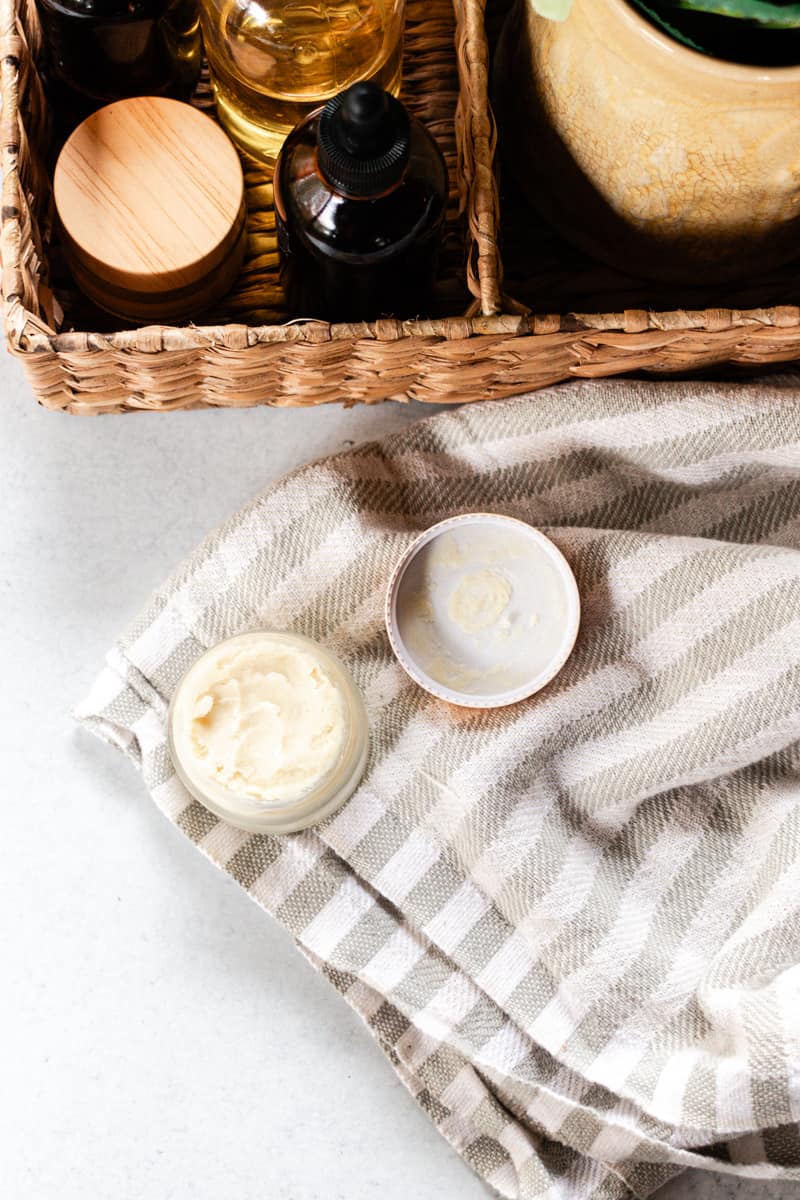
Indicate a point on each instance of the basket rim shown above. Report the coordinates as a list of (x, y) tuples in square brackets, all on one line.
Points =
[(16, 316), (33, 338)]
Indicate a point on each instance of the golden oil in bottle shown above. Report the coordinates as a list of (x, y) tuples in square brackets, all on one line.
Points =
[(273, 61)]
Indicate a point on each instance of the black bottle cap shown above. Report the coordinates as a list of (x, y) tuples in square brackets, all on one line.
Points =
[(363, 140)]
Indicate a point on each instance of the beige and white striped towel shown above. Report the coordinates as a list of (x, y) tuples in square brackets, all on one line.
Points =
[(572, 925)]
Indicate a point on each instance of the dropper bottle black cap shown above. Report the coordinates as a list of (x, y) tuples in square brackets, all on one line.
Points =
[(363, 141)]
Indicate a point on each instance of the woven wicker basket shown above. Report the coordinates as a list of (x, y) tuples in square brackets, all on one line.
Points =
[(571, 317)]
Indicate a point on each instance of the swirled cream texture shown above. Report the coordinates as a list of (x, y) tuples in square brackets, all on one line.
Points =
[(484, 606), (478, 600), (261, 718)]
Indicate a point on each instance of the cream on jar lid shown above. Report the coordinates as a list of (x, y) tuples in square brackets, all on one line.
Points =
[(151, 202), (269, 731), (482, 610)]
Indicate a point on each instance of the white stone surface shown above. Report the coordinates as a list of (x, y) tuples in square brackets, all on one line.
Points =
[(161, 1038)]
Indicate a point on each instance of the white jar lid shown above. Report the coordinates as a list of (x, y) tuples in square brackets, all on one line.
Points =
[(269, 731), (482, 610)]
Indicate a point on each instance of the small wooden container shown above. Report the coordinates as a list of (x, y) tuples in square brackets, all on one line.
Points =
[(150, 198)]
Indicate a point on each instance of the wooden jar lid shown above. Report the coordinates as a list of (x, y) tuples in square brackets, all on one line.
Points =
[(150, 196)]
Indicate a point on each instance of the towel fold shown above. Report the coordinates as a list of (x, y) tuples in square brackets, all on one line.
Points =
[(573, 924)]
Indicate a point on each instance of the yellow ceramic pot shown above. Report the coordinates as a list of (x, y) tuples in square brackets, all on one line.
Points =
[(645, 153)]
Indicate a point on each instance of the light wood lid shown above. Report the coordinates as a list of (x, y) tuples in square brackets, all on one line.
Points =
[(150, 195)]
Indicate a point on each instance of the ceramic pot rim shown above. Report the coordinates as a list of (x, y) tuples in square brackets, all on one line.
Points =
[(703, 64)]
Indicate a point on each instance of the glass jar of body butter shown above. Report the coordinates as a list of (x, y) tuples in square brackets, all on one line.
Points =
[(269, 731)]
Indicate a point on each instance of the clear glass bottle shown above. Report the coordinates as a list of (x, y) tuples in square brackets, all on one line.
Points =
[(274, 61), (360, 198)]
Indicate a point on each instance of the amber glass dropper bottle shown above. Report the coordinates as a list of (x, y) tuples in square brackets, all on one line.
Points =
[(360, 198)]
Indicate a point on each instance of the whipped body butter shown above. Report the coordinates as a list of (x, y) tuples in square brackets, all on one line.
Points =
[(269, 731), (483, 610)]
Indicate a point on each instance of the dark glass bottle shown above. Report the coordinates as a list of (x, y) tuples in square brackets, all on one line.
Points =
[(360, 198), (97, 51)]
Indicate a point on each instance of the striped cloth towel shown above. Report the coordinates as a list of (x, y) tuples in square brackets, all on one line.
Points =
[(571, 925)]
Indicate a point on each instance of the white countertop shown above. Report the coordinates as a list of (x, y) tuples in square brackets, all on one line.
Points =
[(161, 1037)]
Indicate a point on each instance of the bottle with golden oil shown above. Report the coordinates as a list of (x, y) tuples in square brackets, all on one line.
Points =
[(272, 62)]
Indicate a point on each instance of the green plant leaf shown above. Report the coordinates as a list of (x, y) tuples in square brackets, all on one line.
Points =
[(770, 14), (658, 19), (556, 10)]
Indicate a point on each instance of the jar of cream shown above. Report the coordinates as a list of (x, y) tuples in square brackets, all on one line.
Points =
[(150, 199), (269, 731)]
